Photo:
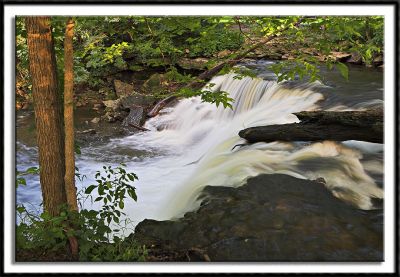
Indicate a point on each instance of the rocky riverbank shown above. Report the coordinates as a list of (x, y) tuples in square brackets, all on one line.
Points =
[(150, 80), (270, 218)]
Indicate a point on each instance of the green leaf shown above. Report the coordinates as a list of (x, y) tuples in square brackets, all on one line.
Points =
[(98, 199), (132, 194), (89, 189), (343, 69), (121, 204), (21, 181), (32, 170), (100, 190), (77, 149), (21, 209)]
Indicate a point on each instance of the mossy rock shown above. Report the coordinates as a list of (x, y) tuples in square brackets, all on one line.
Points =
[(123, 89), (197, 63), (154, 83)]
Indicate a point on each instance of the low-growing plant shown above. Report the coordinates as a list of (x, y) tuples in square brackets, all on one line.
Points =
[(96, 230)]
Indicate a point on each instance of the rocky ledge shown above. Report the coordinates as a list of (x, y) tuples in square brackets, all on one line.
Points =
[(270, 218)]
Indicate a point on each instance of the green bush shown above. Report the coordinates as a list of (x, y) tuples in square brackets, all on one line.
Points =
[(95, 230)]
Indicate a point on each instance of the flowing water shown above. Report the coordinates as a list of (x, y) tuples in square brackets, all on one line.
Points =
[(195, 144)]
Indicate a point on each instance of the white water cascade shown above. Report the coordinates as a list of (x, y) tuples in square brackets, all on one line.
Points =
[(195, 144), (198, 140)]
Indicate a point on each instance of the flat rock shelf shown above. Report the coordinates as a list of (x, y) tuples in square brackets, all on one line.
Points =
[(270, 218)]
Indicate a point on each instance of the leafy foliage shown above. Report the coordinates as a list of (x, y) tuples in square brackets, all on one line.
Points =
[(290, 70), (106, 45), (92, 228), (112, 187), (208, 95), (21, 180)]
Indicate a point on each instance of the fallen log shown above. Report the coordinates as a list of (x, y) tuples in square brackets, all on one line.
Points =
[(160, 105), (323, 125)]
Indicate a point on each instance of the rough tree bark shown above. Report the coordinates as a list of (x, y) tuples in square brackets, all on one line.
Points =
[(69, 177), (48, 114), (208, 74), (323, 125)]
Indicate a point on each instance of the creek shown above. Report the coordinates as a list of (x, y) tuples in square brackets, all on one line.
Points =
[(194, 144)]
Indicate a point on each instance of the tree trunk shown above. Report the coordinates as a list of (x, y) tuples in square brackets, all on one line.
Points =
[(323, 125), (48, 114), (69, 116), (69, 177)]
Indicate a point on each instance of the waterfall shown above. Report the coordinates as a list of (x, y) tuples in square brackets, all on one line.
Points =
[(205, 140), (195, 144)]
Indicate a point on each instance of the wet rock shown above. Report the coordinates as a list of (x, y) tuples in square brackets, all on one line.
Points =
[(98, 106), (120, 116), (274, 56), (112, 105), (123, 89), (136, 99), (95, 120), (309, 51), (108, 93), (87, 132), (109, 117), (136, 117), (378, 60), (224, 53), (197, 63), (340, 56), (288, 57), (271, 218), (19, 105), (154, 83), (355, 58)]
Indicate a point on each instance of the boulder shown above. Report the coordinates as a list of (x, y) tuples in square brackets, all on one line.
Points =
[(154, 83), (274, 56), (95, 120), (136, 99), (378, 60), (120, 116), (288, 57), (340, 56), (98, 106), (309, 51), (112, 105), (355, 58), (123, 89), (136, 117), (197, 63), (273, 217), (224, 53), (109, 117)]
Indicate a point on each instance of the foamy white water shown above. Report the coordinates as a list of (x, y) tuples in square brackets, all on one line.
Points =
[(192, 145), (199, 141)]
